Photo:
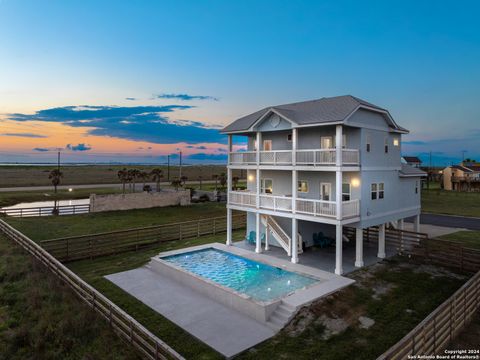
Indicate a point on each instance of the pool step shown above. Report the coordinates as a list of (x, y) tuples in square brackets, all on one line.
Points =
[(281, 316)]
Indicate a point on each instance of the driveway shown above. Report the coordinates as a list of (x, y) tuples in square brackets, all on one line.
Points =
[(454, 221)]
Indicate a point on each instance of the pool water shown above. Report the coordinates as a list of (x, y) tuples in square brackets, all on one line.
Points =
[(259, 281)]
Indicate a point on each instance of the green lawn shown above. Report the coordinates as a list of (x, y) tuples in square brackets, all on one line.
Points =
[(93, 271), (397, 296), (469, 239), (451, 202), (40, 318), (50, 227), (15, 197)]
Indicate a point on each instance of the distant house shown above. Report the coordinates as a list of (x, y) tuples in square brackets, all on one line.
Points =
[(463, 177), (412, 161)]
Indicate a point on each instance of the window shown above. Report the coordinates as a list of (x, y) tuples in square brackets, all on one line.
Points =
[(378, 191), (381, 191), (325, 191), (346, 192), (326, 142), (289, 137), (369, 143), (266, 186), (267, 145), (396, 142), (386, 145), (303, 186), (374, 191), (416, 187)]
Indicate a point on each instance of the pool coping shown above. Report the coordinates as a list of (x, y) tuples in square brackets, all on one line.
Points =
[(259, 310)]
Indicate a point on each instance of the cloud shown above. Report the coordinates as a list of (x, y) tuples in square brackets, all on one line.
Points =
[(201, 147), (185, 97), (41, 149), (131, 98), (137, 123), (208, 157), (79, 147), (27, 135), (414, 142)]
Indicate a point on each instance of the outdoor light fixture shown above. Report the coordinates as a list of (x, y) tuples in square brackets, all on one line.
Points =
[(70, 189), (355, 182), (251, 178)]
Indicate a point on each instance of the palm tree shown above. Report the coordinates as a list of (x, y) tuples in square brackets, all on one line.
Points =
[(157, 176), (223, 180), (143, 175), (176, 183), (183, 180), (134, 174), (123, 176), (235, 182), (55, 175), (215, 177)]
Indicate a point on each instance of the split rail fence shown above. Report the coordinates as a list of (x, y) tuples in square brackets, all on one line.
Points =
[(90, 246), (46, 210), (126, 327)]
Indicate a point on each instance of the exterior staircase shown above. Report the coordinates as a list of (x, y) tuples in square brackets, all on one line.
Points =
[(281, 316), (280, 235)]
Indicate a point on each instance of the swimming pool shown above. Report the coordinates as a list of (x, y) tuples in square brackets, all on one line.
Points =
[(257, 280)]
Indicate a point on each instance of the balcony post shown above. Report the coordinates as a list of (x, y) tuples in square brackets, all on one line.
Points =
[(259, 139), (229, 147), (258, 239), (416, 223), (229, 226), (294, 243), (338, 172), (359, 247), (267, 235), (339, 249), (294, 171)]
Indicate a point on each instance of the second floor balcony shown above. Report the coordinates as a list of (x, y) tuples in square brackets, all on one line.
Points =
[(314, 158), (309, 207)]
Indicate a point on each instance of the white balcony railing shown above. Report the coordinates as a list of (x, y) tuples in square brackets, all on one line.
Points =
[(311, 207), (243, 158), (320, 157)]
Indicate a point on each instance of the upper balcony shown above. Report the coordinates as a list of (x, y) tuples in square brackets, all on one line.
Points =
[(308, 158), (307, 207)]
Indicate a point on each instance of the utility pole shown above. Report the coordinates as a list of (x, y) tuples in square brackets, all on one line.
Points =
[(463, 155), (168, 168), (180, 165), (58, 161)]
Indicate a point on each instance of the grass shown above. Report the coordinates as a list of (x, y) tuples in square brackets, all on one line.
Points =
[(451, 202), (93, 271), (41, 319), (24, 175), (15, 197), (49, 227), (469, 239), (413, 292)]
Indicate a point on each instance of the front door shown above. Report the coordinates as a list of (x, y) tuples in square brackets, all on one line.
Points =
[(267, 145), (326, 142), (325, 191)]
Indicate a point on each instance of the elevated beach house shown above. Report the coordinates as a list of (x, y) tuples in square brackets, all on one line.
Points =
[(315, 167)]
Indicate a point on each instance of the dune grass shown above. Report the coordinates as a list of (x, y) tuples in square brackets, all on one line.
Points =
[(40, 318), (50, 227)]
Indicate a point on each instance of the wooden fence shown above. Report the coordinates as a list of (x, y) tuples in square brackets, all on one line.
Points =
[(126, 327), (46, 210), (436, 331), (419, 247), (90, 246)]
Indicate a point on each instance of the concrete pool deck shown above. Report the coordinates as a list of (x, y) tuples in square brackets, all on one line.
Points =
[(220, 326)]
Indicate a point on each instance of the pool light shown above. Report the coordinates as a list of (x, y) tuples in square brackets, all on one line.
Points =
[(70, 190)]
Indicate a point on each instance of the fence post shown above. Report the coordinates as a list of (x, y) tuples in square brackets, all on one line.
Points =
[(214, 226), (180, 232), (90, 246), (198, 228)]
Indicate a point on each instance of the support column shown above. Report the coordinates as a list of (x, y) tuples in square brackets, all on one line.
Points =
[(416, 223), (401, 224), (259, 139), (381, 241), (294, 171), (267, 237), (229, 226), (339, 250), (294, 241), (258, 240), (359, 247)]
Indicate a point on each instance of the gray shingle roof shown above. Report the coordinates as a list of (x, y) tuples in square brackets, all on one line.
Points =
[(324, 110), (408, 170)]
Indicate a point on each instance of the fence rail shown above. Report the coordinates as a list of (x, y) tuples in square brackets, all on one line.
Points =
[(438, 329), (46, 210), (125, 326), (90, 246)]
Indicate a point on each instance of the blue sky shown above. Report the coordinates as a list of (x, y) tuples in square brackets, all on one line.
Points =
[(202, 64)]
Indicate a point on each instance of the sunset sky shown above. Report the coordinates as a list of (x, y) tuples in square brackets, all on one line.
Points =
[(134, 81)]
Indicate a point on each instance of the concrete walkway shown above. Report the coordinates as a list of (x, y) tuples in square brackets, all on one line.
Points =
[(224, 329)]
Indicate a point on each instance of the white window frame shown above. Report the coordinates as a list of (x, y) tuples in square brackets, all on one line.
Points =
[(299, 186), (381, 190), (263, 187), (349, 194), (374, 191), (329, 190)]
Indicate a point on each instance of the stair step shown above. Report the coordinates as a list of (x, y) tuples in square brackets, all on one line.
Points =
[(289, 307), (277, 320), (283, 312)]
